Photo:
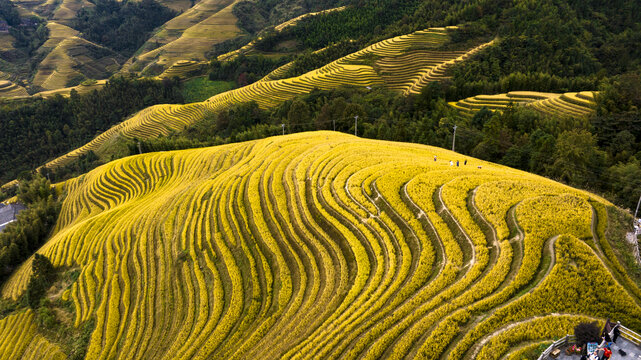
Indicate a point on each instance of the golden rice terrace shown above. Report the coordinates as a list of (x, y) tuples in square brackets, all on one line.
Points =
[(324, 245)]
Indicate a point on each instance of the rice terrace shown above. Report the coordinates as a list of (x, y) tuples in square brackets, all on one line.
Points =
[(331, 179)]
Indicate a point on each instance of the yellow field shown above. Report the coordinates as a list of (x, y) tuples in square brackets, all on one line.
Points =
[(570, 104), (74, 57), (188, 36), (182, 69), (347, 71), (9, 90), (19, 340), (324, 245)]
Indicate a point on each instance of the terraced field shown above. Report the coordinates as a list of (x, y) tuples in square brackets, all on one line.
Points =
[(9, 89), (19, 339), (571, 104), (188, 36), (324, 245), (351, 70), (182, 69), (249, 47), (73, 58)]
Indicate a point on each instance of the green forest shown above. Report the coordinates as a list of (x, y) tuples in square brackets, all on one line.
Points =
[(39, 130)]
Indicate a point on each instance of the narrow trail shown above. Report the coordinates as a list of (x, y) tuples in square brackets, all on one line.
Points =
[(444, 209), (598, 252)]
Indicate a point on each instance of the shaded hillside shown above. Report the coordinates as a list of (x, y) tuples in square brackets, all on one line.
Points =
[(74, 60)]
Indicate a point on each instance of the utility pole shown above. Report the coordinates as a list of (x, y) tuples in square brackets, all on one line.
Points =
[(283, 126), (334, 124), (454, 138), (356, 125), (635, 211), (139, 148)]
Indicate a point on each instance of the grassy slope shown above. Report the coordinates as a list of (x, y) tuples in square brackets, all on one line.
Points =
[(321, 244), (201, 88)]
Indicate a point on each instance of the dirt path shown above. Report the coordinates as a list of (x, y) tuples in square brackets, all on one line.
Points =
[(479, 344)]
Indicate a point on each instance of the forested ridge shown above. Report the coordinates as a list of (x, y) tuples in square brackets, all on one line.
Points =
[(549, 46), (41, 129)]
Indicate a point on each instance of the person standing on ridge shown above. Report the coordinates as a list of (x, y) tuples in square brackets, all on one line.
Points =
[(616, 332)]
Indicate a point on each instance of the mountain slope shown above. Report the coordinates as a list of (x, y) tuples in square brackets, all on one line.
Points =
[(188, 36), (74, 59), (352, 70), (571, 104), (320, 245)]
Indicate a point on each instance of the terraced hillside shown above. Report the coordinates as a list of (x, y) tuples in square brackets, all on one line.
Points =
[(9, 89), (19, 339), (75, 58), (249, 47), (324, 245), (571, 104), (351, 70), (182, 69), (188, 36)]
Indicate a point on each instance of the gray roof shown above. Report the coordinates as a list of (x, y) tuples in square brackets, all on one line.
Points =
[(8, 213)]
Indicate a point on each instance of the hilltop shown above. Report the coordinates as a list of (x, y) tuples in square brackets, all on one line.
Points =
[(324, 245)]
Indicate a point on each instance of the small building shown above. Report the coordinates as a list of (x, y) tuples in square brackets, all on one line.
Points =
[(9, 214), (30, 22), (4, 27)]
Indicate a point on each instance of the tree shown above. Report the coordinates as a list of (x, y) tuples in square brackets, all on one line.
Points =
[(578, 160), (298, 114), (42, 275), (586, 332), (625, 182)]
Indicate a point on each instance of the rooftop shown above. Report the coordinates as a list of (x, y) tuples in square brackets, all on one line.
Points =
[(8, 214)]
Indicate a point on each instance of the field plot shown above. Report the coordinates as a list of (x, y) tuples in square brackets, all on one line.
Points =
[(324, 245), (74, 59), (182, 69), (9, 89), (83, 88), (188, 36), (60, 11), (572, 104), (351, 70), (19, 340)]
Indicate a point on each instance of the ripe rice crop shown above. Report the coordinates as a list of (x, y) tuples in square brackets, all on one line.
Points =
[(324, 245), (570, 104)]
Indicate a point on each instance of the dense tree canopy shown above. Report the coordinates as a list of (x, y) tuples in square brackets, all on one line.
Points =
[(121, 26), (40, 130)]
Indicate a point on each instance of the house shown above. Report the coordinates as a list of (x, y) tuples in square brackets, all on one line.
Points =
[(9, 214), (32, 22), (4, 27)]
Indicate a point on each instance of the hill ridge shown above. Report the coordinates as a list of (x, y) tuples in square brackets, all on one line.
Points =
[(304, 246)]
